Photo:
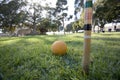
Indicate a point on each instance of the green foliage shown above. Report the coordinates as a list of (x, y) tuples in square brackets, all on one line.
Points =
[(34, 17), (10, 14), (48, 25), (61, 6), (107, 11), (77, 25), (45, 23), (81, 21), (78, 5), (69, 27), (30, 58)]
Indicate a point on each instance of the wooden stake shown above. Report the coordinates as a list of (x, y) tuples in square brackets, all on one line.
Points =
[(86, 55), (87, 36)]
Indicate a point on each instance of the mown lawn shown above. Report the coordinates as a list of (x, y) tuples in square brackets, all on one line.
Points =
[(30, 58)]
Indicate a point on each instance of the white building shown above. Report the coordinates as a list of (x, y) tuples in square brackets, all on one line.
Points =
[(112, 27), (108, 27)]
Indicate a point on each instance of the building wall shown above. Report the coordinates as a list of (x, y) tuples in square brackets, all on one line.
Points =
[(107, 27)]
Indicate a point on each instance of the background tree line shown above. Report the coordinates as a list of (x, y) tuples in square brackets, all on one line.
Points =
[(20, 13), (106, 11)]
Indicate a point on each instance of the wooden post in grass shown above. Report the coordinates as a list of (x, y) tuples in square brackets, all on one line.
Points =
[(87, 35)]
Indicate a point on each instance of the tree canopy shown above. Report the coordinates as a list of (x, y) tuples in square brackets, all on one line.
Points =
[(107, 11), (13, 13)]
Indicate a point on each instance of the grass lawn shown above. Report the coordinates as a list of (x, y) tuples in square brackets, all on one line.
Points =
[(30, 58)]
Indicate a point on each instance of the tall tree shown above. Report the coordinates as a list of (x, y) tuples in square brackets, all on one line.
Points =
[(11, 14), (69, 27), (78, 5), (79, 23), (59, 11), (47, 25), (105, 13), (34, 15)]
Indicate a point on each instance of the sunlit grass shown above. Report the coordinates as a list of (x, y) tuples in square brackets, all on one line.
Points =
[(30, 58)]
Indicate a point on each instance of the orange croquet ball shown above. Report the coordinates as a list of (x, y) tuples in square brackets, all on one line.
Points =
[(59, 47)]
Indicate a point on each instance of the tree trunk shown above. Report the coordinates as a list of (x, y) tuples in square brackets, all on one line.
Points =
[(63, 26), (34, 28)]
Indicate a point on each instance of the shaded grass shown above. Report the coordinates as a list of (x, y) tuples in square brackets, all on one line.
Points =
[(30, 58)]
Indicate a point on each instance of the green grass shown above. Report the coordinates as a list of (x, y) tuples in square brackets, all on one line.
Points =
[(30, 58)]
